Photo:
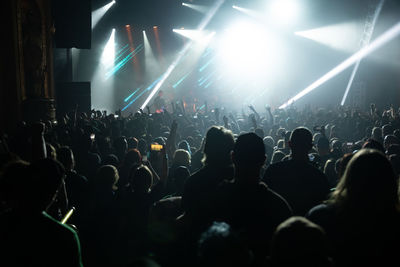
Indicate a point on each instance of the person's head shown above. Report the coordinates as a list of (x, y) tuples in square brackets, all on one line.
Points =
[(132, 143), (45, 179), (390, 140), (269, 141), (342, 163), (141, 179), (369, 182), (132, 157), (248, 153), (299, 242), (120, 145), (377, 134), (387, 129), (301, 141), (181, 158), (373, 144), (184, 145), (106, 178), (66, 157), (259, 132), (220, 246), (111, 159), (218, 146), (323, 146)]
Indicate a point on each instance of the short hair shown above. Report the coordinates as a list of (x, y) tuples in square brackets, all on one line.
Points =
[(249, 150), (301, 138), (141, 179), (106, 178), (218, 146), (181, 158), (299, 242)]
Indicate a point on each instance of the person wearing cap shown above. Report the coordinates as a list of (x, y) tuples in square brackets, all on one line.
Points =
[(296, 180)]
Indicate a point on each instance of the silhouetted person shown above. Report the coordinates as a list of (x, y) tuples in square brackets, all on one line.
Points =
[(296, 180), (362, 217), (246, 203), (299, 242), (29, 236), (200, 187)]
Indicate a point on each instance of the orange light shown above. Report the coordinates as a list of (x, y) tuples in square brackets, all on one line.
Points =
[(155, 27), (127, 25)]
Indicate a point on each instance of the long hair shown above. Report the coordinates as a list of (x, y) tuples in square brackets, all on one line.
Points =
[(368, 183)]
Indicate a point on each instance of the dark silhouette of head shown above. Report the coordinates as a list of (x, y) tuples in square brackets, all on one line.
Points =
[(374, 144), (299, 242), (106, 178), (132, 157), (220, 246), (45, 179), (300, 142), (248, 152), (141, 179), (218, 146), (369, 182)]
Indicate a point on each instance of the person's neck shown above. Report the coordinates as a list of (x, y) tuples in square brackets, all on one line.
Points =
[(299, 156), (247, 176)]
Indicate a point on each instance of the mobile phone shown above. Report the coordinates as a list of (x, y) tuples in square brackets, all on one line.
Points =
[(92, 136), (349, 144), (144, 158), (156, 147)]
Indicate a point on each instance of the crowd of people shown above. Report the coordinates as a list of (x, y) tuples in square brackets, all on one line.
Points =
[(292, 187)]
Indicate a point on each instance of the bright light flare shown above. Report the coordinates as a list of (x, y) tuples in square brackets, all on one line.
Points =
[(248, 50), (210, 14), (284, 11), (388, 36), (196, 35), (108, 56), (100, 12), (198, 8), (248, 12), (343, 37)]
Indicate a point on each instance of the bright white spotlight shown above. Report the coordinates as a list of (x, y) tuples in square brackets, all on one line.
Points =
[(99, 13), (198, 8), (344, 36), (210, 14), (108, 56), (195, 35), (386, 37), (249, 12), (247, 49), (284, 11)]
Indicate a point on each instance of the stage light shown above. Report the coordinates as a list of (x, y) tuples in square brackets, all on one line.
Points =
[(198, 8), (196, 35), (343, 37), (210, 14), (150, 60), (99, 13), (108, 56), (386, 37), (127, 26), (249, 12), (284, 11), (248, 50)]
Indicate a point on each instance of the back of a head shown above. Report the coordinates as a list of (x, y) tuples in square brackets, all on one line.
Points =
[(106, 178), (299, 242), (220, 246), (141, 179), (181, 158), (369, 181), (132, 157), (218, 146), (45, 178), (301, 140), (249, 151), (373, 144), (323, 144)]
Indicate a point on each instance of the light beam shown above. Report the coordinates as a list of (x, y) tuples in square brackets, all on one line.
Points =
[(386, 37)]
